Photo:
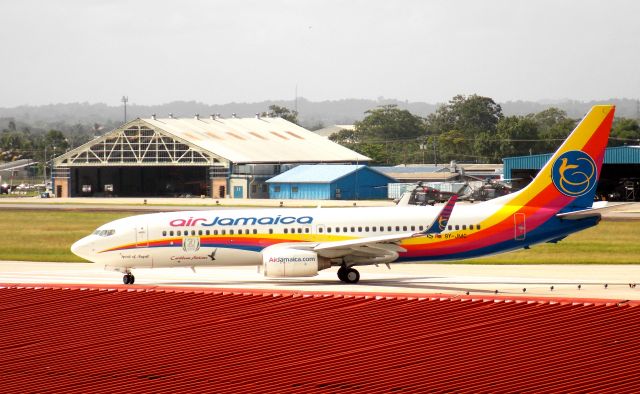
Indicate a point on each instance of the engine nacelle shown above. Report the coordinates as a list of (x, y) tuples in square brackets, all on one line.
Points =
[(284, 263)]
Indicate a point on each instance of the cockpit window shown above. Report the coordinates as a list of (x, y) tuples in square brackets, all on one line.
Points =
[(104, 233)]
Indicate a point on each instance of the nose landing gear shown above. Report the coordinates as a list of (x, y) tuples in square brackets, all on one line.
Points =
[(128, 278)]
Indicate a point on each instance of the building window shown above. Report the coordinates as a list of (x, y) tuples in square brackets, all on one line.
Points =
[(264, 188), (294, 189), (254, 189), (276, 189)]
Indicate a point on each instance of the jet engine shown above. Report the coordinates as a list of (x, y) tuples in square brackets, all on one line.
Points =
[(287, 262)]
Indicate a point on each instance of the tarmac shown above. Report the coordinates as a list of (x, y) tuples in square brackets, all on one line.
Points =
[(556, 281)]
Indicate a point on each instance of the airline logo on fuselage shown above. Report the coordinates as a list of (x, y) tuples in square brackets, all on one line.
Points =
[(574, 173), (241, 221)]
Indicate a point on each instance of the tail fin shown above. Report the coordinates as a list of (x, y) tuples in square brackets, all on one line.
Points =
[(568, 180), (440, 222)]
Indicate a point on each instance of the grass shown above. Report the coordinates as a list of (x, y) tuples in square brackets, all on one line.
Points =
[(47, 236)]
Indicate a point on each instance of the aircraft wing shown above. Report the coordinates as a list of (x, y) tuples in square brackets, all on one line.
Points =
[(383, 248), (596, 210)]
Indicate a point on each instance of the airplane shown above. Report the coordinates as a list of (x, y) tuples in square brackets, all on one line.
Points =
[(300, 242)]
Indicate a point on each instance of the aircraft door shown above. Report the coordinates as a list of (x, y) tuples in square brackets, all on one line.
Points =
[(520, 227), (142, 236)]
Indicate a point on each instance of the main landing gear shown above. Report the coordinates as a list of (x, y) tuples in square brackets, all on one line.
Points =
[(348, 275), (128, 278)]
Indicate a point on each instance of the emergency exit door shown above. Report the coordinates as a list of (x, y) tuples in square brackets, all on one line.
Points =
[(142, 237)]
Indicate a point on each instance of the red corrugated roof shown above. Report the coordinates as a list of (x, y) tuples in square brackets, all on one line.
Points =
[(92, 339)]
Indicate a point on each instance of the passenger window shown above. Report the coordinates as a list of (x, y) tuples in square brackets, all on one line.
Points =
[(215, 232), (457, 227), (337, 229), (421, 228), (464, 226), (328, 229), (397, 228), (286, 231), (270, 231), (345, 229), (373, 229), (223, 232), (171, 233), (199, 232), (306, 230), (164, 233), (450, 227), (207, 232), (293, 231), (413, 228), (246, 231), (471, 227), (255, 231), (353, 229), (359, 229), (230, 232), (366, 229), (179, 233), (404, 228), (299, 231), (477, 227), (320, 229), (388, 228)]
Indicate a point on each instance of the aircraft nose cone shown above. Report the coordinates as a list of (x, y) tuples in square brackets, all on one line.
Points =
[(82, 248)]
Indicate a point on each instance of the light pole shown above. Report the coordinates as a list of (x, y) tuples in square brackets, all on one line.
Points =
[(124, 100)]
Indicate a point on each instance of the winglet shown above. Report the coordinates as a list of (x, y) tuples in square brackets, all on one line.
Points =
[(440, 222)]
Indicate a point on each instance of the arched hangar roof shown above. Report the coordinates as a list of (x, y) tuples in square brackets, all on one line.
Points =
[(207, 141)]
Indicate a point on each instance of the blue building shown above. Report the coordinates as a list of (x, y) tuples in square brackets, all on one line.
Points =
[(329, 182)]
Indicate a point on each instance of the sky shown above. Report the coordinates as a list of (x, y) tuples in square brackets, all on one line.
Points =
[(216, 52)]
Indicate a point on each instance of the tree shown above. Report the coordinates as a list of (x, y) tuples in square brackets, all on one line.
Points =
[(470, 115), (388, 122), (517, 136), (625, 132), (285, 113), (553, 127)]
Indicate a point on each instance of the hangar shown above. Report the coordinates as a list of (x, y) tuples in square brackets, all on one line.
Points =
[(214, 156), (619, 179)]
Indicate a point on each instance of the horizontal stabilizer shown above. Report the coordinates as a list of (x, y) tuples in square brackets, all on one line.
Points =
[(596, 210)]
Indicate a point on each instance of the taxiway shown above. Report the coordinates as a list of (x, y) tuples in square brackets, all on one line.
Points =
[(571, 281)]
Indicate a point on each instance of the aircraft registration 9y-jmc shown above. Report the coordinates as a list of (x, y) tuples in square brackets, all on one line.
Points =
[(296, 242)]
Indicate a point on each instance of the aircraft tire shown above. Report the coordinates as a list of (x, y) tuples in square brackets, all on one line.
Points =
[(351, 275), (342, 273), (128, 279)]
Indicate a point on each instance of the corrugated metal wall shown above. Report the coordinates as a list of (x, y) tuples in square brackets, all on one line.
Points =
[(369, 184), (617, 155), (117, 339), (305, 191)]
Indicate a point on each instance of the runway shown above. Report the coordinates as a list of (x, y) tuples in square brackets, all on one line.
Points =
[(568, 281)]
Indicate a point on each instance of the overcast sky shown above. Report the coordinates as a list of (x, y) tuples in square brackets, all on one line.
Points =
[(157, 51)]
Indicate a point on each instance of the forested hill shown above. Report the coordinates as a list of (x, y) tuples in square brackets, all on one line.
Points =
[(311, 114)]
